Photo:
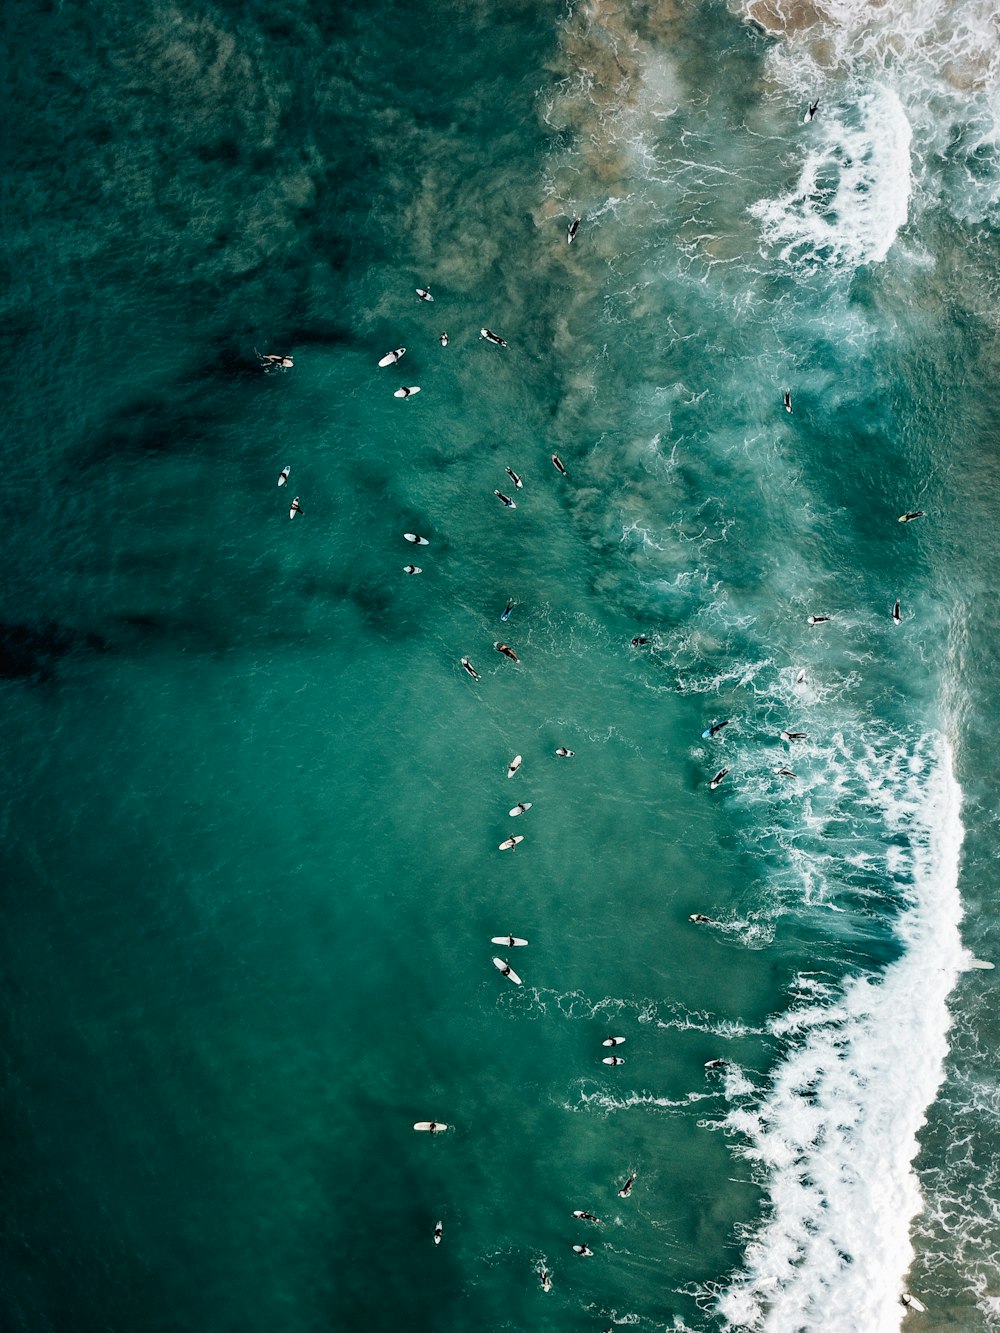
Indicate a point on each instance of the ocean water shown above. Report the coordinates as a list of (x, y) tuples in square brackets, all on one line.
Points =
[(253, 803)]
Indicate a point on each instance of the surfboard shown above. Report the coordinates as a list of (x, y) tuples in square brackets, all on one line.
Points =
[(412, 569), (613, 1060), (284, 475), (563, 753), (507, 970), (431, 1126), (443, 339), (981, 965), (514, 765), (583, 1250), (423, 293), (391, 358), (613, 1041), (558, 465), (912, 1303), (509, 844), (520, 808), (511, 941), (416, 539), (295, 509), (438, 1233), (407, 392)]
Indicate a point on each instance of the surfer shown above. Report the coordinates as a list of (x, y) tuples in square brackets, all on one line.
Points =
[(283, 477), (519, 809), (434, 1126), (717, 779), (626, 1189), (563, 753), (506, 970), (716, 1064), (573, 226), (911, 515), (443, 338), (507, 652), (412, 569), (613, 1060), (794, 736), (514, 478), (800, 679), (295, 509), (583, 1250), (613, 1041), (505, 500), (895, 612), (715, 728), (784, 773), (470, 668), (586, 1217), (817, 620), (424, 294), (514, 765), (416, 539), (813, 108), (546, 1277), (492, 337), (406, 391), (391, 358), (557, 464), (438, 1233), (639, 640), (271, 361), (507, 609), (700, 919), (788, 401)]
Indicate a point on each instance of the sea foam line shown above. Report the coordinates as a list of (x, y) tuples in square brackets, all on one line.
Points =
[(836, 1134)]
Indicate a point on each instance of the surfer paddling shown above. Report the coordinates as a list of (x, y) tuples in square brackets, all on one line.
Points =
[(714, 728), (813, 108), (700, 919), (626, 1189), (572, 230), (507, 652), (507, 609), (557, 464), (787, 401), (514, 478), (492, 337), (271, 361), (584, 1251), (546, 1277), (794, 736), (469, 668), (896, 615), (563, 753), (586, 1217), (639, 640), (717, 779), (505, 500), (911, 515), (817, 620)]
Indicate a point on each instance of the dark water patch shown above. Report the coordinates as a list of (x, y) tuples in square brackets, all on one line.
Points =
[(30, 653)]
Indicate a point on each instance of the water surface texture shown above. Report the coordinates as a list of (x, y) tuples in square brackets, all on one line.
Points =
[(253, 802)]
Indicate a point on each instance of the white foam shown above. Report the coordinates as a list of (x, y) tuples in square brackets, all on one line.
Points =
[(835, 1135), (852, 193)]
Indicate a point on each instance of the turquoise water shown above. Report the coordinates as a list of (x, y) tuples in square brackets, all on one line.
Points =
[(254, 803)]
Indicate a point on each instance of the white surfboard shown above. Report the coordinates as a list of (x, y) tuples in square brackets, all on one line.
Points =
[(507, 970), (514, 765), (981, 964), (438, 1233), (520, 808), (416, 539), (509, 844), (511, 941), (912, 1303), (283, 477), (613, 1041), (613, 1060), (563, 753), (412, 569), (407, 391), (424, 294), (295, 509), (391, 358), (431, 1126)]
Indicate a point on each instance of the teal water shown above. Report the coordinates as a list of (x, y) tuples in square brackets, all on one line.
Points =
[(253, 806)]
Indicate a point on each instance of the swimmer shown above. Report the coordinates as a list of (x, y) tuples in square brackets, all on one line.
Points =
[(715, 728), (582, 1250), (639, 640), (505, 500), (470, 668), (895, 612), (626, 1189), (794, 736), (716, 1064), (514, 765), (492, 337), (412, 569), (586, 1217), (406, 391), (438, 1233), (700, 919), (613, 1060), (572, 230), (443, 338), (563, 753), (514, 478), (507, 609), (717, 779), (546, 1277), (817, 620), (507, 652), (813, 108), (424, 294), (911, 515), (284, 475), (557, 464), (295, 509), (788, 401), (784, 773), (613, 1041)]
